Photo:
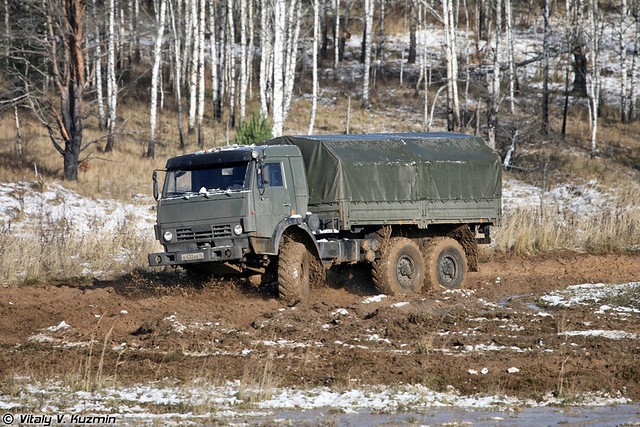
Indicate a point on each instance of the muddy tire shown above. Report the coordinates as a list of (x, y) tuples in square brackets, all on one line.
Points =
[(293, 272), (400, 268), (446, 263)]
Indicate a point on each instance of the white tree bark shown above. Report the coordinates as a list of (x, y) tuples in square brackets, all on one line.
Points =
[(243, 58), (494, 96), (177, 76), (314, 94), (512, 60), (98, 64), (155, 73), (467, 73), (201, 85), (213, 49), (368, 19), (594, 75), (633, 91), (623, 62), (231, 61), (291, 54), (453, 48), (266, 53), (278, 64), (336, 40), (193, 78), (112, 86), (251, 47)]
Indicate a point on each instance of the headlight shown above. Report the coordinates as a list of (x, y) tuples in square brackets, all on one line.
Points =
[(167, 236), (237, 229)]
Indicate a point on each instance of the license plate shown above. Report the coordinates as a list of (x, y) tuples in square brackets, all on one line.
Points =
[(191, 257)]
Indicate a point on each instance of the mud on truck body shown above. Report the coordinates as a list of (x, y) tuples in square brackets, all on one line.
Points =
[(413, 205)]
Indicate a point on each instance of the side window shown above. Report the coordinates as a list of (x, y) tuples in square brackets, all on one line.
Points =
[(273, 173)]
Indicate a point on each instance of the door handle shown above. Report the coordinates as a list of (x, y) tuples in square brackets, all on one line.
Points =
[(287, 204)]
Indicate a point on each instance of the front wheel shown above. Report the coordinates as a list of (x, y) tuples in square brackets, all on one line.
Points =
[(400, 268), (446, 262), (293, 272)]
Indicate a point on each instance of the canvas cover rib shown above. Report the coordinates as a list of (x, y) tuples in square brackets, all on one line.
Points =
[(397, 167)]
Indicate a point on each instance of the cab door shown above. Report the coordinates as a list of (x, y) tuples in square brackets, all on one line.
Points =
[(274, 200)]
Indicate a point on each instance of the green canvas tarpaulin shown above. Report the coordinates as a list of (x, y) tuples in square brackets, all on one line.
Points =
[(397, 167)]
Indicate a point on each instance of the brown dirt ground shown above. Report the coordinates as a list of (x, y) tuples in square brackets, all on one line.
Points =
[(169, 327)]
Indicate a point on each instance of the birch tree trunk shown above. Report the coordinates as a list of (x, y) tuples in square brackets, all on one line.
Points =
[(215, 93), (193, 78), (231, 61), (266, 52), (623, 62), (201, 85), (243, 58), (594, 77), (633, 91), (314, 94), (545, 70), (98, 65), (251, 47), (155, 73), (278, 63), (336, 39), (177, 71), (112, 86), (291, 54), (368, 26), (453, 106), (494, 97), (136, 30), (467, 73)]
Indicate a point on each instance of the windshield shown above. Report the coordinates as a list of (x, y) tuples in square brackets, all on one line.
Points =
[(211, 179)]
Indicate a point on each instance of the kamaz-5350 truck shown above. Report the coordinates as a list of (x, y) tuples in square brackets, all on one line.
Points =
[(413, 205)]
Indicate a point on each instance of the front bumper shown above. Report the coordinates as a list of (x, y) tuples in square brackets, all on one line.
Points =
[(215, 254)]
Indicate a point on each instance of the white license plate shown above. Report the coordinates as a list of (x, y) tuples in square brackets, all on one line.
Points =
[(190, 257)]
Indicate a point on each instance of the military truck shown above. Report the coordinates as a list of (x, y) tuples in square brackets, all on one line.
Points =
[(413, 205)]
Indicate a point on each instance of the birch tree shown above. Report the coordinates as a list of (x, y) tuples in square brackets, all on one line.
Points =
[(194, 34), (368, 29), (243, 58), (337, 35), (545, 69), (112, 85), (314, 93), (177, 68), (213, 51), (155, 73), (494, 96), (594, 75), (278, 64), (623, 61), (230, 62), (294, 19), (633, 91), (453, 106), (266, 54), (97, 57), (201, 85)]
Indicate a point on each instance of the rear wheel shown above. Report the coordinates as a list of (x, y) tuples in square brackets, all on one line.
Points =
[(293, 272), (446, 263), (400, 268)]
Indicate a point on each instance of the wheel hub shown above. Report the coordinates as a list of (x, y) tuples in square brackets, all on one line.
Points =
[(405, 271), (447, 269)]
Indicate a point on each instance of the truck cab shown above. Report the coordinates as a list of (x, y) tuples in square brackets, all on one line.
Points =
[(227, 204)]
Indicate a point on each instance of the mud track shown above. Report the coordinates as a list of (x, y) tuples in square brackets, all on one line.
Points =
[(151, 327)]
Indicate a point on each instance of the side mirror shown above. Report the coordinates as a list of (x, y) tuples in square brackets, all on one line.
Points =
[(155, 185), (260, 175)]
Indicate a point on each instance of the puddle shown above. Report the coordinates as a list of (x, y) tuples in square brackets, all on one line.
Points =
[(567, 416)]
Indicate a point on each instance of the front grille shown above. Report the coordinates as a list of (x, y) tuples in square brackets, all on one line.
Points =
[(203, 233)]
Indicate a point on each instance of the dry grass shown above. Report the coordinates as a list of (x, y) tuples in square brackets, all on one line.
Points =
[(46, 251)]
